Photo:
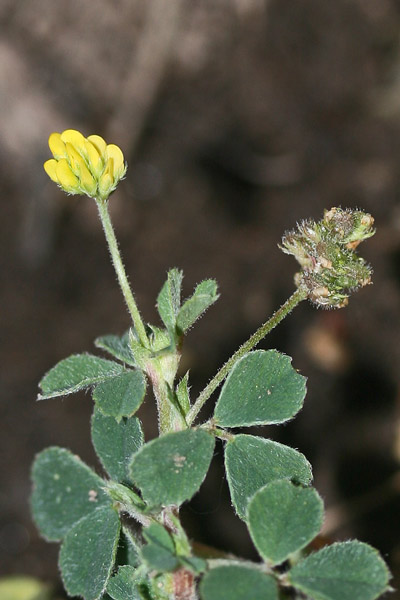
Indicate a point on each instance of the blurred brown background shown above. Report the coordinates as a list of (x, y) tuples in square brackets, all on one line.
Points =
[(237, 118)]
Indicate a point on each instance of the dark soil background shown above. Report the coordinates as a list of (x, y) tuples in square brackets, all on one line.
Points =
[(237, 118)]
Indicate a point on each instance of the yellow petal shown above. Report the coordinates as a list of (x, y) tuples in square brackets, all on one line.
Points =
[(50, 166), (115, 153), (98, 143), (94, 159), (88, 183), (74, 157), (56, 145), (68, 181), (79, 168), (75, 138), (105, 185), (109, 168)]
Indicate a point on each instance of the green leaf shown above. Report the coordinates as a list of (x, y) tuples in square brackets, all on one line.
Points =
[(128, 500), (234, 582), (128, 549), (159, 552), (170, 469), (65, 490), (283, 518), (169, 299), (252, 462), (115, 443), (194, 563), (139, 352), (157, 534), (160, 340), (88, 552), (121, 396), (158, 558), (182, 394), (343, 571), (123, 586), (205, 294), (117, 346), (262, 388), (132, 553), (75, 373)]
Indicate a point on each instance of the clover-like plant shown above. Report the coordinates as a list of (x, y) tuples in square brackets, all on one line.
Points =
[(121, 535)]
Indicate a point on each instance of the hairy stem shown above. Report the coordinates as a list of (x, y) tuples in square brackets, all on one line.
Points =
[(299, 295), (120, 271), (169, 418)]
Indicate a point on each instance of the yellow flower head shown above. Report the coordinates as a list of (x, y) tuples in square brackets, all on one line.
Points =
[(84, 165)]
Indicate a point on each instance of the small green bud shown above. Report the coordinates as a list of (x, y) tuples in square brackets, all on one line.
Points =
[(325, 250)]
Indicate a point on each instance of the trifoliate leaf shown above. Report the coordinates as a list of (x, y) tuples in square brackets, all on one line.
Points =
[(205, 294), (116, 443), (169, 299), (159, 552), (262, 388), (171, 468), (343, 571), (182, 394), (121, 396), (123, 586), (283, 518), (88, 553), (252, 462), (65, 490), (76, 373), (117, 346)]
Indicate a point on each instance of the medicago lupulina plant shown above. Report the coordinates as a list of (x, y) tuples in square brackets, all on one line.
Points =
[(121, 535)]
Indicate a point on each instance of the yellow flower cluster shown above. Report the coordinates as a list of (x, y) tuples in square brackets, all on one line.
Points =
[(84, 165)]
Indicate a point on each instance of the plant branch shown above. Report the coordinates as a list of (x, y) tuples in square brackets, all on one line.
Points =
[(299, 295)]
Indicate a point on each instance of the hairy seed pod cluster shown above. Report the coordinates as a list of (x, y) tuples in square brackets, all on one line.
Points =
[(326, 251)]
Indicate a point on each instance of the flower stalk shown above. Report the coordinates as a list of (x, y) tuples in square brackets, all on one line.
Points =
[(297, 296), (108, 228)]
